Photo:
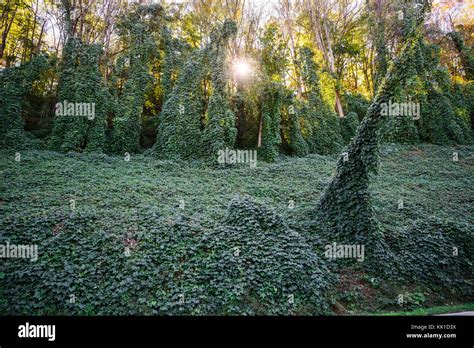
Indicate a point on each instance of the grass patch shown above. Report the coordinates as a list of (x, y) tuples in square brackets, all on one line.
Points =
[(465, 307)]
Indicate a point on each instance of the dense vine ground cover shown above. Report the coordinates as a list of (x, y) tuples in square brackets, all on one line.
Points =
[(147, 236)]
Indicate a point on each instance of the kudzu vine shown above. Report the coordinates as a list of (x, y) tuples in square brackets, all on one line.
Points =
[(220, 131), (16, 82), (80, 83), (322, 131), (137, 29), (345, 209), (183, 130), (428, 88)]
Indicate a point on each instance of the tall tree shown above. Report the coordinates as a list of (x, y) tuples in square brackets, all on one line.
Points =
[(16, 82), (220, 131), (466, 54), (274, 62), (137, 30), (321, 122), (80, 86), (180, 131), (320, 14), (345, 207)]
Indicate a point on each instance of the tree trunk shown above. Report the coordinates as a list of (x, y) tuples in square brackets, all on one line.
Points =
[(260, 130), (5, 35), (323, 38), (241, 121)]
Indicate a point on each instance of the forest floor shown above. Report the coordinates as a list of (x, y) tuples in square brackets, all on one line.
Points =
[(42, 186)]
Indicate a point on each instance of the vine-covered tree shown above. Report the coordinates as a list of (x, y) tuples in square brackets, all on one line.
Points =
[(274, 62), (321, 129), (465, 53), (270, 138), (175, 52), (16, 82), (345, 210), (180, 131), (81, 86), (137, 31), (429, 86), (166, 68), (377, 21), (220, 131)]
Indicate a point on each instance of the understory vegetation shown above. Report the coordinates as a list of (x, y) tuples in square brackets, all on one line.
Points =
[(228, 240)]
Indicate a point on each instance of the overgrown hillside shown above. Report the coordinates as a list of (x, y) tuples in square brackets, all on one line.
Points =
[(147, 236)]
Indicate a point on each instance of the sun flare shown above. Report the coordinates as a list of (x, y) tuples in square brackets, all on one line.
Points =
[(242, 68)]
